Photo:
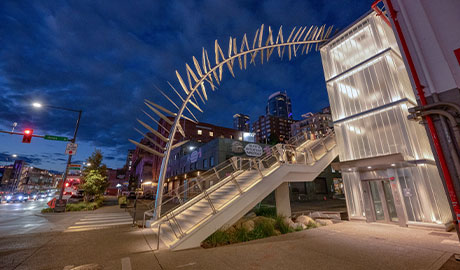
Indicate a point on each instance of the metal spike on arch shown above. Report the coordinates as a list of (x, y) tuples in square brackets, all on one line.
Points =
[(208, 74)]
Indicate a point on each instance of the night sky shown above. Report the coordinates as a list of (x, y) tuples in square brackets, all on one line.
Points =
[(105, 57)]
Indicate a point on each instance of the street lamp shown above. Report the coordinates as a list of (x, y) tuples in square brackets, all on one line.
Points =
[(14, 155), (69, 160), (37, 105)]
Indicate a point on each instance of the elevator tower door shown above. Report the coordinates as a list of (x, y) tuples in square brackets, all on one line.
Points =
[(381, 201)]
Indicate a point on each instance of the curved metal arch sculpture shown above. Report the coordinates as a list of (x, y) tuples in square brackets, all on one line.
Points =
[(207, 74)]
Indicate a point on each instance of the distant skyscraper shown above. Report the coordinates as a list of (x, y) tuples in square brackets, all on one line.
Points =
[(241, 122), (279, 105)]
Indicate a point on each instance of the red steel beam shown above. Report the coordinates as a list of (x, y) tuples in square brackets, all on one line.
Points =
[(429, 120)]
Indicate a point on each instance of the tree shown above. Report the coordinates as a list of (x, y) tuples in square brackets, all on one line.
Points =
[(95, 176), (94, 184), (95, 161)]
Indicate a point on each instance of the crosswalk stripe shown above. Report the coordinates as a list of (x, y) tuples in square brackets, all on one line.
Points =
[(104, 221), (98, 221), (100, 225), (105, 218)]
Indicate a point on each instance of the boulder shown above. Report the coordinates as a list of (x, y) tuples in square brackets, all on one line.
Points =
[(248, 225), (297, 225), (231, 230), (288, 221), (324, 222), (305, 220), (261, 219)]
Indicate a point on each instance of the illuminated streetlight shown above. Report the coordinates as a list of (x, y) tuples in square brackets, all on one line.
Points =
[(37, 105), (14, 155), (69, 160)]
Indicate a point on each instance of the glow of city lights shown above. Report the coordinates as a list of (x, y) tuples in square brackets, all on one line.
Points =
[(37, 105)]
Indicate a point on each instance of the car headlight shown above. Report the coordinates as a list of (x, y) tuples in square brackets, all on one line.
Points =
[(8, 197), (35, 196), (20, 197)]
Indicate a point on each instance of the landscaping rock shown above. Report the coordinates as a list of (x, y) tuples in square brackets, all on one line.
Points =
[(251, 215), (248, 225), (305, 220), (288, 221), (324, 222), (296, 225), (231, 230), (264, 219)]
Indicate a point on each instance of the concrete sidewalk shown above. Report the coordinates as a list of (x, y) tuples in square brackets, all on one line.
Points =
[(347, 245)]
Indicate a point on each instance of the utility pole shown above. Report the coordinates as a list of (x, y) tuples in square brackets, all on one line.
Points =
[(69, 160)]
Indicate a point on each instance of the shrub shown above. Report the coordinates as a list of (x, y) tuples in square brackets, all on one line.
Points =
[(263, 228), (47, 210), (122, 200), (218, 238), (240, 235), (312, 225), (281, 225), (266, 211)]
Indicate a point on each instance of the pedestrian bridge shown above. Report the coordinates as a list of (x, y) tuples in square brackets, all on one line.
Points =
[(228, 191)]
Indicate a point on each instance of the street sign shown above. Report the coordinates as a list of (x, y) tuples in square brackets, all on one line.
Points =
[(74, 167), (52, 203), (55, 138), (71, 149)]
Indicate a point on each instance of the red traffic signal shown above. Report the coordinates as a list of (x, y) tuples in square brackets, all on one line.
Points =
[(27, 135)]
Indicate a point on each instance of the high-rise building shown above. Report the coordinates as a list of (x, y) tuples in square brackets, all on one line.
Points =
[(241, 122), (269, 129), (388, 168), (314, 123), (279, 105)]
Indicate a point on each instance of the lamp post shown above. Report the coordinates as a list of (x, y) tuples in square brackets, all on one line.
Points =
[(69, 160)]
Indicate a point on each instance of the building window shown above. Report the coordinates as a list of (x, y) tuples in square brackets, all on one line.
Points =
[(199, 132), (211, 161), (205, 163), (211, 133)]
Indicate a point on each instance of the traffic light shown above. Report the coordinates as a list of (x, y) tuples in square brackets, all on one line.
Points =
[(27, 135)]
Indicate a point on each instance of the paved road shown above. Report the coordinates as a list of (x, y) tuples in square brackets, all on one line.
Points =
[(22, 218)]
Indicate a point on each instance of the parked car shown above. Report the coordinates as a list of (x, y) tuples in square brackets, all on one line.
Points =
[(42, 195), (17, 197), (77, 196), (33, 196)]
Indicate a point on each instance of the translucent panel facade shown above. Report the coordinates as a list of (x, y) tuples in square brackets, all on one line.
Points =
[(370, 93), (365, 39), (382, 132)]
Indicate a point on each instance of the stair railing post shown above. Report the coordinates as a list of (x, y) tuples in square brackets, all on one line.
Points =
[(236, 183)]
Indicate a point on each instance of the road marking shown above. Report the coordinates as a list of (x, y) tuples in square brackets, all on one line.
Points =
[(185, 265), (126, 263), (100, 220)]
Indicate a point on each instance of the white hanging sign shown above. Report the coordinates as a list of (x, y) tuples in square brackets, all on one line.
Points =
[(253, 150)]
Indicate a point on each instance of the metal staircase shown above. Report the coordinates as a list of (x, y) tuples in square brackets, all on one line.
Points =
[(222, 195)]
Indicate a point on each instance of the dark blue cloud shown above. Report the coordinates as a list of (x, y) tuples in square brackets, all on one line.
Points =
[(105, 57)]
